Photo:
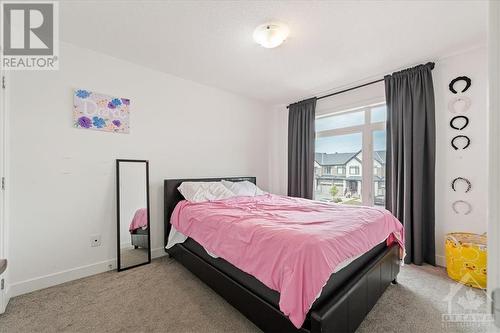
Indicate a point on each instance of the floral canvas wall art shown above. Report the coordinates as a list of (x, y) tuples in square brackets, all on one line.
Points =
[(100, 112)]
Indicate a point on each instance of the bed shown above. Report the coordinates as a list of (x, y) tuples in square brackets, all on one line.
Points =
[(344, 302), (138, 229)]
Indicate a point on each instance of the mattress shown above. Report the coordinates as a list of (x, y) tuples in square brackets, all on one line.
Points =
[(336, 280)]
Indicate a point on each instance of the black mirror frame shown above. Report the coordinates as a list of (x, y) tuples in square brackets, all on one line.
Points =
[(119, 269)]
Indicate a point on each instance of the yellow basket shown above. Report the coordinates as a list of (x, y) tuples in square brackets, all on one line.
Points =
[(466, 255)]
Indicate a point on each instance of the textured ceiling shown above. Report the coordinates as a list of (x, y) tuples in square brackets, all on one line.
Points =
[(332, 43)]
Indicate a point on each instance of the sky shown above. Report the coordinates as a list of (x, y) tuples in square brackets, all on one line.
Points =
[(348, 143), (351, 142)]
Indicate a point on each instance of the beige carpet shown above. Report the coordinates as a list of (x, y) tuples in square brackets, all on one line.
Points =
[(131, 257), (165, 297)]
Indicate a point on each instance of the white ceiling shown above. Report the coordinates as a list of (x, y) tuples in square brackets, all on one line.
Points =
[(331, 44)]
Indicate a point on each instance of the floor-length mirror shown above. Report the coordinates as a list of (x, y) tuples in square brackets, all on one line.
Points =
[(134, 245)]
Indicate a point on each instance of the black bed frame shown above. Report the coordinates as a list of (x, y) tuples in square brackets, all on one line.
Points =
[(344, 312)]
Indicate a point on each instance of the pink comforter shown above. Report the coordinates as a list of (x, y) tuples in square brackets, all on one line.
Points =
[(140, 219), (291, 245)]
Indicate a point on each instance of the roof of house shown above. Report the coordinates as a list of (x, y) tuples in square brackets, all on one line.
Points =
[(343, 158), (334, 159), (379, 156)]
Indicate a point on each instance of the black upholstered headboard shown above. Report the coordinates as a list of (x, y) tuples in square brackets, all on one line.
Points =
[(172, 196)]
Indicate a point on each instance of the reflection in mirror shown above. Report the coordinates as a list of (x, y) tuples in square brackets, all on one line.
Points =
[(133, 213)]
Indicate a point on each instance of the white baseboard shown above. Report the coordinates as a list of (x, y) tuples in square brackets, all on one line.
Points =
[(42, 282), (158, 252), (441, 261)]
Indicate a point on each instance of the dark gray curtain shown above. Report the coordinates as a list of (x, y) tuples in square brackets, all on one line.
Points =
[(301, 136), (411, 158)]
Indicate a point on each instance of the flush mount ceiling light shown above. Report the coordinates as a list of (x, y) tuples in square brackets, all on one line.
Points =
[(271, 35)]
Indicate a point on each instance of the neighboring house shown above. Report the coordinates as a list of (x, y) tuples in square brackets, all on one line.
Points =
[(344, 170)]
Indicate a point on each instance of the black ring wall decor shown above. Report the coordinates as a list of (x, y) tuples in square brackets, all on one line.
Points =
[(465, 180), (460, 78), (459, 123), (460, 137), (459, 128), (454, 119)]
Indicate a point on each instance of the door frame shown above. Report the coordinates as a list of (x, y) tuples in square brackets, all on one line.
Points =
[(4, 154), (494, 149)]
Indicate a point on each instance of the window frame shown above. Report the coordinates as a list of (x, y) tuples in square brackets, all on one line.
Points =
[(356, 170), (367, 129)]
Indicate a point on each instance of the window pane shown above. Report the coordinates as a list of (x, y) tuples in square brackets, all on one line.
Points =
[(338, 169), (379, 149), (340, 121), (379, 114), (348, 143)]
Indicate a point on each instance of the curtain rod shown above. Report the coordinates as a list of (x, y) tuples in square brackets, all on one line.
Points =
[(431, 64), (348, 89), (352, 88)]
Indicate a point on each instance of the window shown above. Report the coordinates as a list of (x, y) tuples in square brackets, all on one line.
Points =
[(328, 170), (354, 170), (352, 141)]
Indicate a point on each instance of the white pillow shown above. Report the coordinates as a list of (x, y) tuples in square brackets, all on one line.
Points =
[(244, 188), (204, 191)]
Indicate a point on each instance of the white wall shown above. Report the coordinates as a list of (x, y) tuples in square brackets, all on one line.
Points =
[(471, 163), (372, 94), (62, 182), (278, 150)]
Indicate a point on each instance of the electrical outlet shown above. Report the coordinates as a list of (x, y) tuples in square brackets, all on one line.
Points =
[(95, 240)]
